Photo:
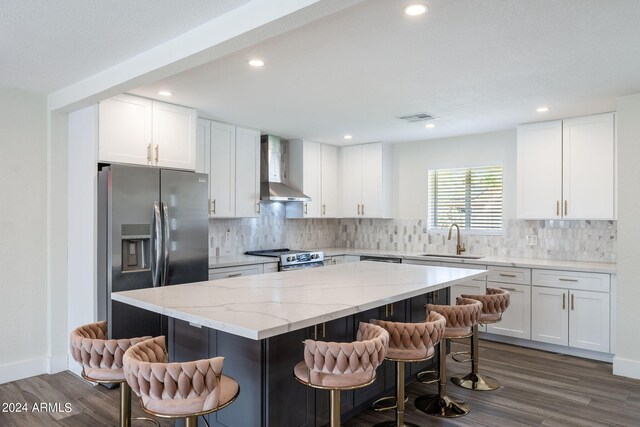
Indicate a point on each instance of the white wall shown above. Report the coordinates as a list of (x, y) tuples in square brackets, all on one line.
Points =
[(414, 159), (627, 360), (23, 234), (82, 202)]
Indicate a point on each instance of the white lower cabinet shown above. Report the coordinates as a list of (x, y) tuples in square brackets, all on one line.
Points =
[(516, 320), (571, 309)]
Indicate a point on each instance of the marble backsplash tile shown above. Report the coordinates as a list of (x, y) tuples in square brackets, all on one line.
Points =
[(560, 240)]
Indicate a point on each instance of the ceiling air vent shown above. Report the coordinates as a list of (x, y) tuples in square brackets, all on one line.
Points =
[(417, 117)]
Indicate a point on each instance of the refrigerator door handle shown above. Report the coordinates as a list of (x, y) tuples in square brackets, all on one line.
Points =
[(156, 246), (166, 239)]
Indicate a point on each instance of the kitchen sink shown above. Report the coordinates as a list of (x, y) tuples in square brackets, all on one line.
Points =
[(453, 256)]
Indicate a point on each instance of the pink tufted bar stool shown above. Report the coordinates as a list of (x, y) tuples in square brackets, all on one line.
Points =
[(177, 390), (101, 361), (494, 303), (461, 319), (343, 366), (410, 342)]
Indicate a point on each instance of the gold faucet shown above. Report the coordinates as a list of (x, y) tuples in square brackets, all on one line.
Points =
[(459, 248)]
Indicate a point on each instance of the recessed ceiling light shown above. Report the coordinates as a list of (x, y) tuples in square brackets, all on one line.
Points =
[(430, 125), (164, 93), (256, 62), (416, 9), (542, 109), (348, 137)]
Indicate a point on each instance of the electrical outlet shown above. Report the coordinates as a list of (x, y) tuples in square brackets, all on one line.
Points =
[(531, 239), (227, 238)]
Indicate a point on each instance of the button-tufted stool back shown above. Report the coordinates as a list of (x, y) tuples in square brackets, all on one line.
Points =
[(494, 303), (176, 389), (101, 358)]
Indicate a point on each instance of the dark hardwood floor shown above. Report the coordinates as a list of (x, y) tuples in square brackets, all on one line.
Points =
[(538, 388)]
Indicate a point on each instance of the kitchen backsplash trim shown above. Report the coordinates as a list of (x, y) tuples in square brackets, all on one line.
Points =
[(561, 240)]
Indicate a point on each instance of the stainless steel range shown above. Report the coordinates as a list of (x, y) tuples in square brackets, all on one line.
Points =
[(292, 259)]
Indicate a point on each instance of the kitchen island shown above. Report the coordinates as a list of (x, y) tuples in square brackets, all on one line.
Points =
[(258, 323)]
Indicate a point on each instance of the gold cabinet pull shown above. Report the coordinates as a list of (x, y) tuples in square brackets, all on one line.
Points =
[(572, 301), (148, 153), (157, 152), (324, 209), (363, 209), (392, 309), (258, 207), (324, 330), (566, 208), (506, 275), (562, 279), (564, 300), (234, 275), (508, 289), (315, 332), (358, 208), (214, 205), (306, 205), (557, 207), (386, 311)]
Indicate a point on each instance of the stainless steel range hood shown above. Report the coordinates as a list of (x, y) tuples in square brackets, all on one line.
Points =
[(273, 167)]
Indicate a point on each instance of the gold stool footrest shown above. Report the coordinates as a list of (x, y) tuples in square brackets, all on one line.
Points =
[(457, 356), (476, 382), (146, 419), (428, 377), (378, 404), (445, 407)]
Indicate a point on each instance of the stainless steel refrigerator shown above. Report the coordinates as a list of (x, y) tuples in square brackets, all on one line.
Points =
[(153, 231)]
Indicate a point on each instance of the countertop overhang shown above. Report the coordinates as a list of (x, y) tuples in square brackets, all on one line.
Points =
[(266, 305)]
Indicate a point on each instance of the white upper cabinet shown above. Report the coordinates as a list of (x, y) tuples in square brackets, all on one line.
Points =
[(588, 152), (566, 169), (539, 167), (125, 129), (247, 172), (313, 169), (174, 136), (366, 180), (144, 132), (329, 178), (232, 160)]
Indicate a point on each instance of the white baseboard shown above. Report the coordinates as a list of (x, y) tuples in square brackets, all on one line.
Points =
[(23, 369), (57, 364), (626, 367)]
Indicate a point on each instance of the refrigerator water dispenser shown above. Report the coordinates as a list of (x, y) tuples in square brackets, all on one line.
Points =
[(135, 247)]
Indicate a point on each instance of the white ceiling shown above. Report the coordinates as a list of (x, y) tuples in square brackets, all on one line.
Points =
[(46, 45), (479, 66)]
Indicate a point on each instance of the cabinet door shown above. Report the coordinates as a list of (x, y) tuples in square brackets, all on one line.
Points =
[(549, 315), (516, 320), (588, 167), (329, 184), (589, 320), (174, 136), (539, 170), (311, 179), (372, 181), (124, 131), (247, 172), (351, 181), (222, 175)]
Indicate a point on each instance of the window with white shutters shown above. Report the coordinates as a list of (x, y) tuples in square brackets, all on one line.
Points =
[(470, 197)]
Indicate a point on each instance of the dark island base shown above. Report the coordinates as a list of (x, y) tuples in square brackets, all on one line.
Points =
[(269, 394)]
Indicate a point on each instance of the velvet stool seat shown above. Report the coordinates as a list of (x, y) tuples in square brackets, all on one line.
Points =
[(102, 362), (409, 342), (343, 366), (461, 319), (494, 303), (177, 390)]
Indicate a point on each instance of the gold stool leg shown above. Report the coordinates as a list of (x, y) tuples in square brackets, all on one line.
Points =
[(191, 421), (441, 405), (335, 408), (473, 380), (400, 398), (125, 405)]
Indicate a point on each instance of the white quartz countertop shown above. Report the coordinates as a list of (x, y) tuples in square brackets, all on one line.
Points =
[(266, 305), (594, 267), (236, 260)]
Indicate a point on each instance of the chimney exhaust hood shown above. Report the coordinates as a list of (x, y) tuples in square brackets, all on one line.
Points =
[(273, 166)]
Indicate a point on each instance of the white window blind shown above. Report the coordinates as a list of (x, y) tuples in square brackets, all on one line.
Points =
[(470, 197)]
